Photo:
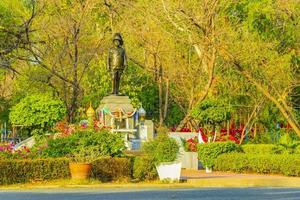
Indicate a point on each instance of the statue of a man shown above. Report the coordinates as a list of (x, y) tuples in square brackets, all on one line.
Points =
[(116, 62)]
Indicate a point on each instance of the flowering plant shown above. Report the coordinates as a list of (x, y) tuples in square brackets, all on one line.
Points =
[(190, 145), (7, 151), (64, 129)]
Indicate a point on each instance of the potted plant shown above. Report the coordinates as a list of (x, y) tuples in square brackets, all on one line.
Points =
[(163, 150), (81, 162)]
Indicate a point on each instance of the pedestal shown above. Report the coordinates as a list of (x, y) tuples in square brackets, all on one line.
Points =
[(114, 105)]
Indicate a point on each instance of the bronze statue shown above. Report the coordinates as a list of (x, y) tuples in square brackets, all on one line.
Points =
[(116, 62)]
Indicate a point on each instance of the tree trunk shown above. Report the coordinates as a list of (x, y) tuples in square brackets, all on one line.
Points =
[(160, 93), (166, 99)]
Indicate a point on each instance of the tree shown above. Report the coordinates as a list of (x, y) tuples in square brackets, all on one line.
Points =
[(70, 36), (37, 112), (261, 48)]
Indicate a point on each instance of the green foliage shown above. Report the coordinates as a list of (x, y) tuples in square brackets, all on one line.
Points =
[(208, 152), (144, 169), (86, 154), (262, 138), (212, 111), (4, 110), (112, 169), (162, 149), (60, 147), (175, 115), (26, 170), (259, 149), (103, 142), (37, 111), (289, 143), (288, 165)]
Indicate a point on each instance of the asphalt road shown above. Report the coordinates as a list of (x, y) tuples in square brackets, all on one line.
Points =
[(211, 194)]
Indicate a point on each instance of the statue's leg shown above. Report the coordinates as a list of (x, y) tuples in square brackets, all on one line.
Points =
[(113, 78), (118, 76)]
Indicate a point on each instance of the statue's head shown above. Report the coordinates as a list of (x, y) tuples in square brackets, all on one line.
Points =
[(117, 39)]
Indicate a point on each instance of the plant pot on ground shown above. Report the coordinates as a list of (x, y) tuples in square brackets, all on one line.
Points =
[(163, 150), (81, 163)]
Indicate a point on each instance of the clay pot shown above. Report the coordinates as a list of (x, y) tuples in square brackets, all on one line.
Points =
[(80, 170)]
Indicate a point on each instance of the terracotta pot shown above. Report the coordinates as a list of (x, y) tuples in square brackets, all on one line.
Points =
[(80, 170)]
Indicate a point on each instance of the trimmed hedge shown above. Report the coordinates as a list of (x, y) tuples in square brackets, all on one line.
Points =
[(21, 171), (208, 152), (29, 170), (144, 169), (262, 149), (286, 164), (112, 169)]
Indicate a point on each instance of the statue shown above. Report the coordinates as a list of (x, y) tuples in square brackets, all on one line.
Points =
[(116, 62)]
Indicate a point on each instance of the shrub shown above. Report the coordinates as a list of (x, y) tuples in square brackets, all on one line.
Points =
[(144, 169), (112, 169), (262, 149), (105, 142), (212, 111), (208, 152), (61, 147), (37, 112), (27, 170), (297, 150), (162, 149), (288, 165)]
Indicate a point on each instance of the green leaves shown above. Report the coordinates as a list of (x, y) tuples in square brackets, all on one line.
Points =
[(207, 153), (162, 149), (212, 111), (103, 142), (288, 165), (37, 111)]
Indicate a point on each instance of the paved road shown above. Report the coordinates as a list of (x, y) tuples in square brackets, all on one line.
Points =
[(174, 194)]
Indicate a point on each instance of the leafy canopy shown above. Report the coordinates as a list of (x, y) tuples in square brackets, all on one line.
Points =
[(37, 111), (212, 111)]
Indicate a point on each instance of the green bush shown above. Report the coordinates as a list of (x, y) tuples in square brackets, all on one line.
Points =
[(285, 164), (27, 170), (212, 111), (112, 169), (144, 169), (107, 143), (262, 149), (61, 147), (208, 152), (162, 149), (37, 112), (297, 150)]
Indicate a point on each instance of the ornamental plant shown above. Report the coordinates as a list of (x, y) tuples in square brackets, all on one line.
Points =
[(162, 149), (212, 112), (208, 152), (103, 141), (85, 154), (37, 112), (190, 145)]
